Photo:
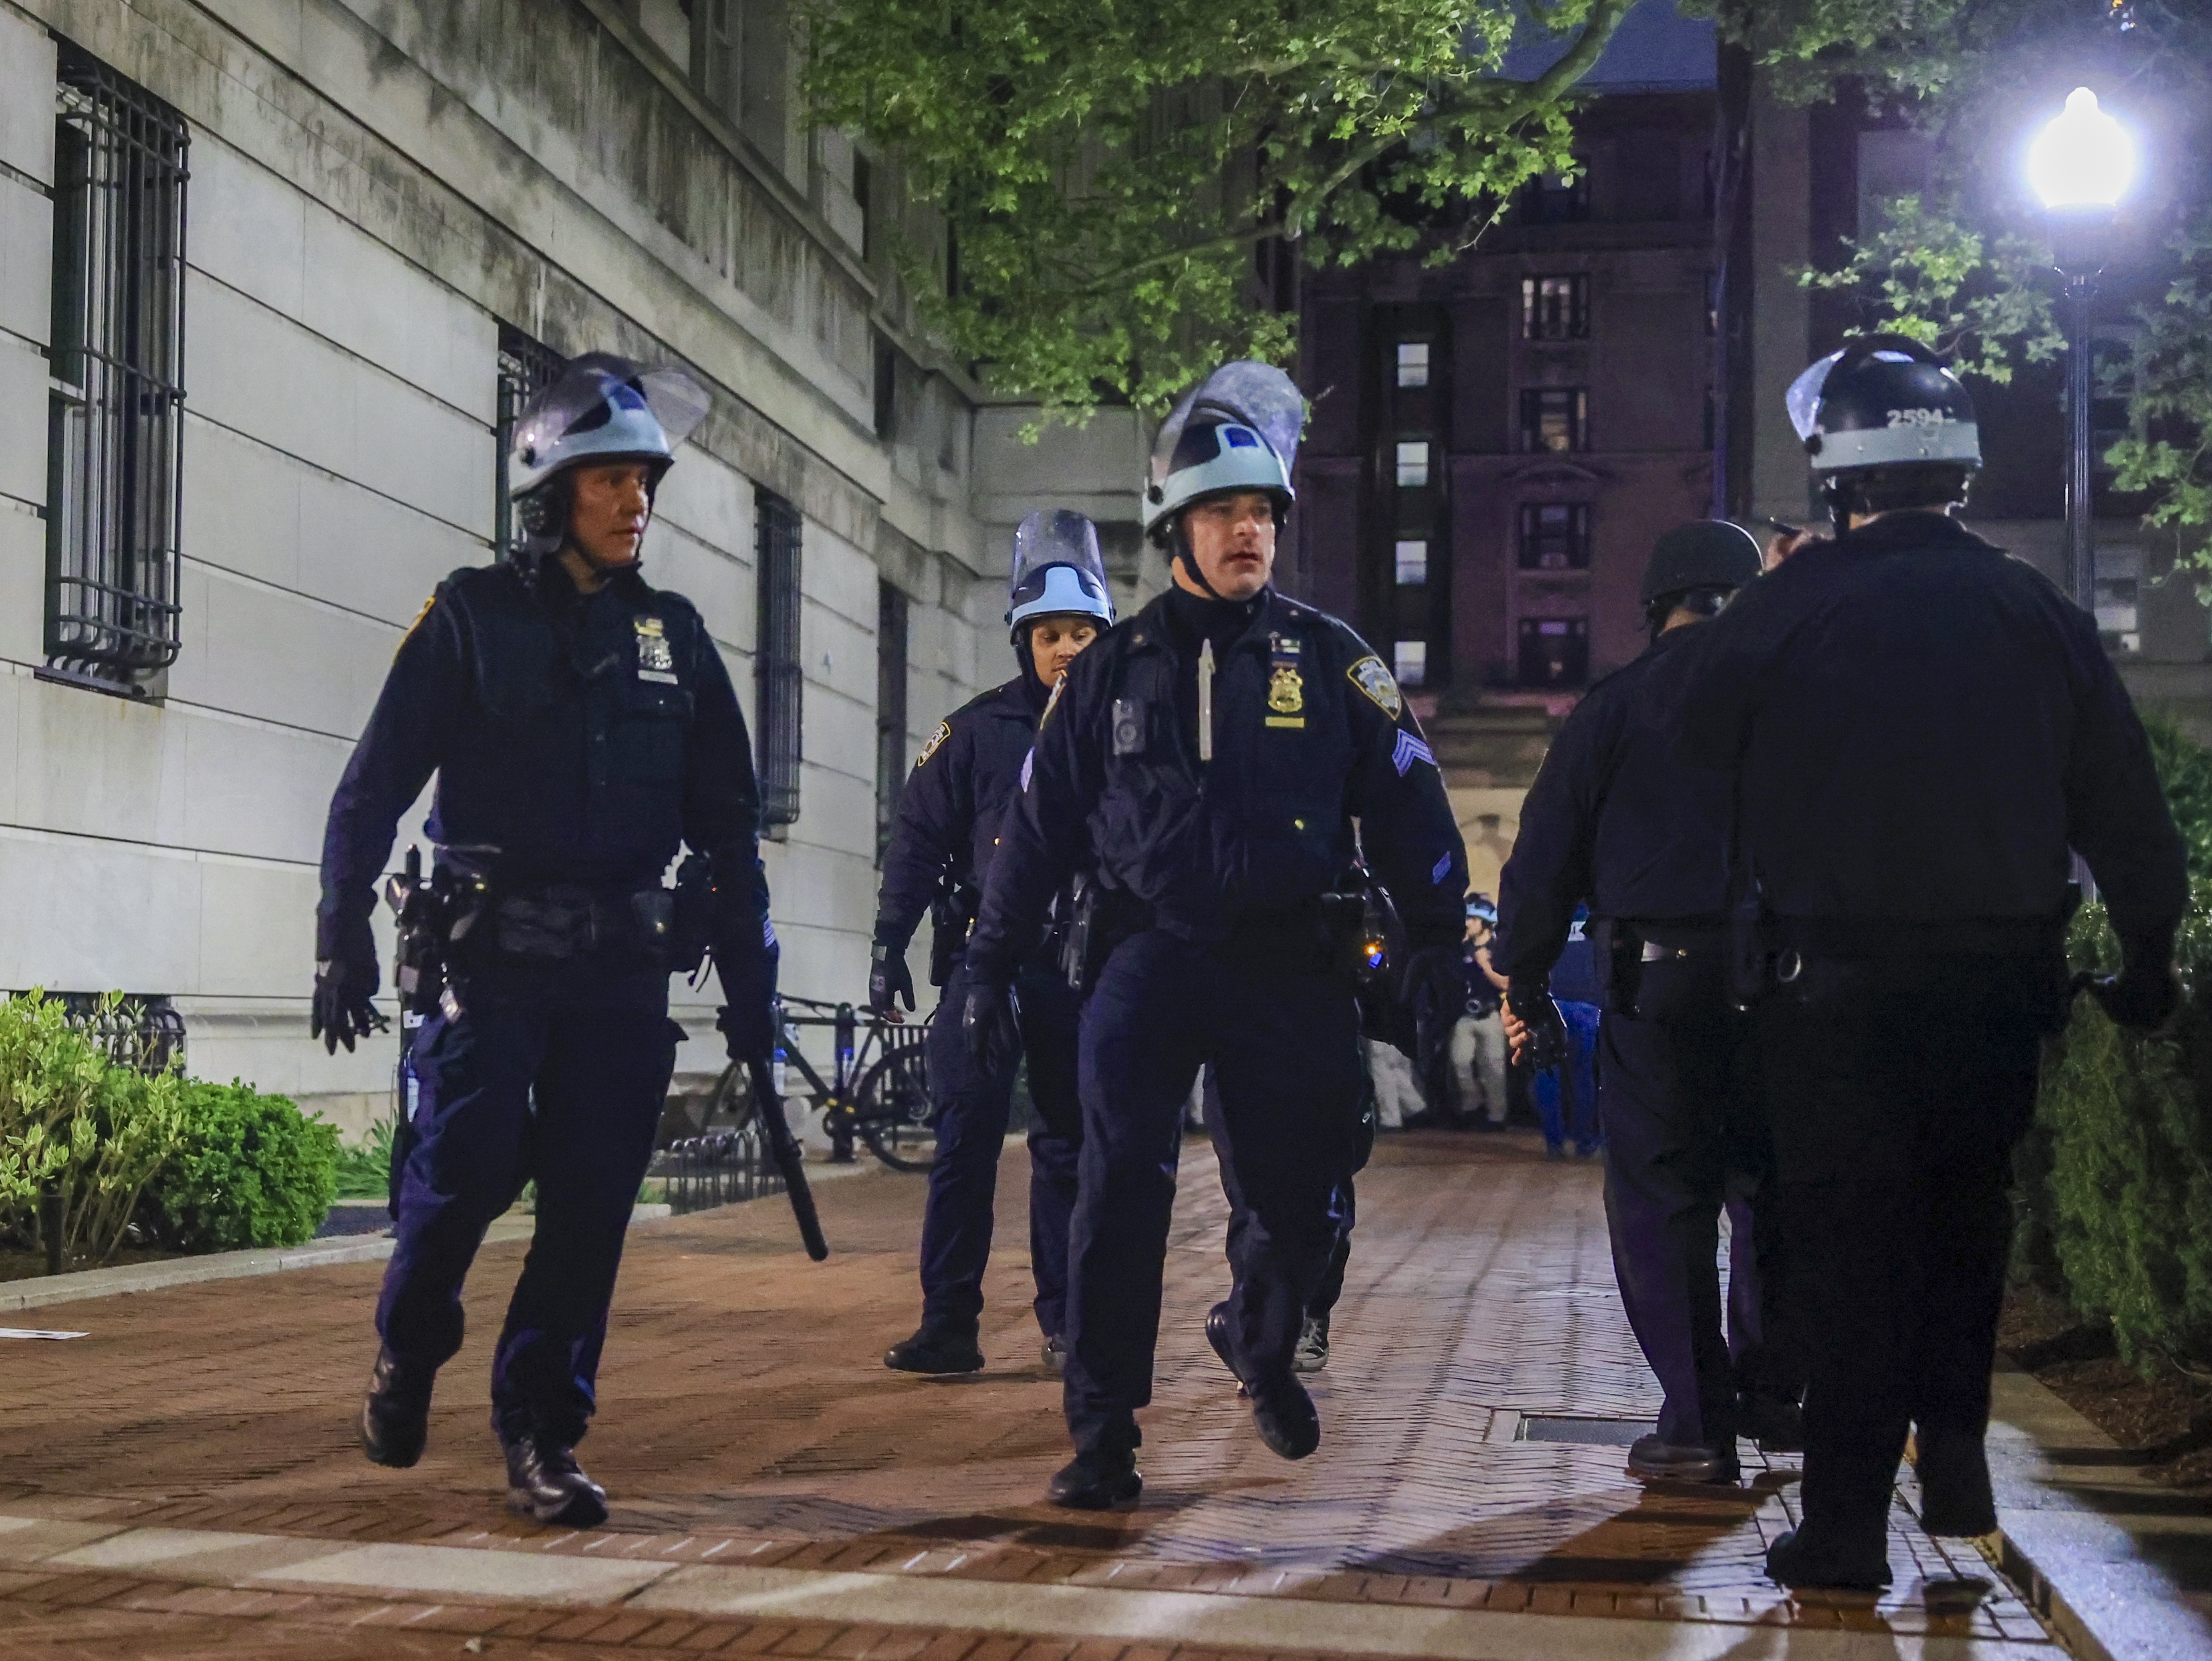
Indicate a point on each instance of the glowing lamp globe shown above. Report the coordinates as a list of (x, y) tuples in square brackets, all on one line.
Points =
[(2084, 160)]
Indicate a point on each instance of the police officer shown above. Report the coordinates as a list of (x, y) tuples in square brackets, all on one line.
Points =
[(948, 829), (1206, 761), (580, 724), (1616, 819), (1918, 729)]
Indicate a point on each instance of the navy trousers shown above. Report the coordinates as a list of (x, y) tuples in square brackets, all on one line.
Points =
[(1285, 1051), (1898, 1090), (1343, 1206), (1678, 1093), (972, 1108), (555, 1073)]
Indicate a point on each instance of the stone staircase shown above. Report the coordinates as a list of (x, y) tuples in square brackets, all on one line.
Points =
[(1491, 746)]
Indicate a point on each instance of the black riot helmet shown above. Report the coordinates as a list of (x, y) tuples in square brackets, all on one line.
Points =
[(1886, 425), (1696, 566)]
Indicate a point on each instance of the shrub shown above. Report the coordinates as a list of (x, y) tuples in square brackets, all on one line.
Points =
[(252, 1171), (73, 1122), (365, 1172)]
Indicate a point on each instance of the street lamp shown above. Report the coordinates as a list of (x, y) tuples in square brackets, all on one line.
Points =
[(2081, 164)]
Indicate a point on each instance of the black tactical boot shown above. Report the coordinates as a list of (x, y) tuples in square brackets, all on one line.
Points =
[(1285, 1416), (936, 1352), (395, 1420), (1955, 1498), (1105, 1479), (1805, 1558), (1650, 1460), (545, 1481)]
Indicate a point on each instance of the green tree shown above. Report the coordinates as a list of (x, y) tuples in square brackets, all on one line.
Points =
[(1106, 169), (1967, 264)]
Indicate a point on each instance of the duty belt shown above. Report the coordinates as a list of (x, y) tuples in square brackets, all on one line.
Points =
[(559, 922)]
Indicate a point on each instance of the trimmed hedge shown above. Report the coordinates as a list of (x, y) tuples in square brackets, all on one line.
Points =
[(2116, 1173), (250, 1170)]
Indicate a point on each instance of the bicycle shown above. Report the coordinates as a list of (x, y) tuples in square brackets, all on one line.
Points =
[(878, 1092)]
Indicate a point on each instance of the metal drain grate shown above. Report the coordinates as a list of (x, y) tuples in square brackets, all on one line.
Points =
[(1591, 1433)]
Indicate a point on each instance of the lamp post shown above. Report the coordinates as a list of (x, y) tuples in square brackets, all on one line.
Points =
[(2081, 164)]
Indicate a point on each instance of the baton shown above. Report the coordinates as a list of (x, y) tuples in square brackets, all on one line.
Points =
[(783, 1147)]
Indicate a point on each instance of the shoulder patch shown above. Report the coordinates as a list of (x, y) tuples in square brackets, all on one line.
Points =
[(943, 732), (409, 632), (1371, 678)]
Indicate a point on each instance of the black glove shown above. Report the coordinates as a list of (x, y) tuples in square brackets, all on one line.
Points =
[(1436, 991), (345, 982), (889, 978), (1532, 1006), (989, 1022), (2142, 997)]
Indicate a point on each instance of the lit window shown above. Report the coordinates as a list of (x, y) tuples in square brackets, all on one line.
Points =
[(1412, 562), (1413, 463), (1410, 662), (1554, 418), (2119, 588), (1413, 363), (1554, 307)]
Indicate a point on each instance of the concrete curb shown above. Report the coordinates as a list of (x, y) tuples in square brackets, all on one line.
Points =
[(2085, 1537), (216, 1266)]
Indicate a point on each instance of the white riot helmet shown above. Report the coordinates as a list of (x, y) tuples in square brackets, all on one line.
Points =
[(1237, 431), (601, 409), (1058, 570), (1882, 402)]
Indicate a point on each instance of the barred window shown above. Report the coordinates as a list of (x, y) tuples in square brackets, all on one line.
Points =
[(526, 367), (779, 674), (114, 420), (1555, 308), (890, 709)]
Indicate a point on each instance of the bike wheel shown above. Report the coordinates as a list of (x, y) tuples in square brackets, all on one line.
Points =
[(731, 1105), (893, 1114)]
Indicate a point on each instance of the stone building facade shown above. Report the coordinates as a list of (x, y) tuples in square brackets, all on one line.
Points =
[(273, 273)]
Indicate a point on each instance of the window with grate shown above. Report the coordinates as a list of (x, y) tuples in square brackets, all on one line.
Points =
[(779, 673), (1554, 536), (890, 709), (526, 367), (714, 27), (1555, 418), (1555, 308), (114, 411)]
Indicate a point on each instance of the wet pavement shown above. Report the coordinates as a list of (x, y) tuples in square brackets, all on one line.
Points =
[(182, 1481)]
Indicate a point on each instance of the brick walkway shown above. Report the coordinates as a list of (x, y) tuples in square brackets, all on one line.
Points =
[(182, 1481)]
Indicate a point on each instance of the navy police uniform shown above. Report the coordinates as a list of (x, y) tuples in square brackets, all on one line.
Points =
[(946, 832), (1918, 730), (1617, 819), (1215, 868), (577, 740)]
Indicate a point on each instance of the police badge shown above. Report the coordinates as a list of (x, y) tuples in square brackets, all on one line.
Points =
[(1287, 696), (656, 661), (1371, 678)]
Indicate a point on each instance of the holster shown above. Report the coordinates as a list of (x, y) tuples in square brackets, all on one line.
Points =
[(952, 914), (1752, 946), (1098, 919)]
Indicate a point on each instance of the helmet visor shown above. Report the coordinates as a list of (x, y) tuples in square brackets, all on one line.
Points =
[(600, 388), (1055, 536), (1258, 395)]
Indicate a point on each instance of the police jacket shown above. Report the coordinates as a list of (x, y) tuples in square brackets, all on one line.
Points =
[(955, 799), (1615, 820), (576, 739), (1310, 733), (1919, 728)]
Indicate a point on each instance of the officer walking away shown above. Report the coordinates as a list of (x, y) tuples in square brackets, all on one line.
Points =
[(1617, 819), (947, 830), (1206, 761), (1919, 729), (580, 725)]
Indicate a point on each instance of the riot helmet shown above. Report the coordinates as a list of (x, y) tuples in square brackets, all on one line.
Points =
[(1696, 566), (601, 409), (1886, 425), (1057, 570), (1237, 431)]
